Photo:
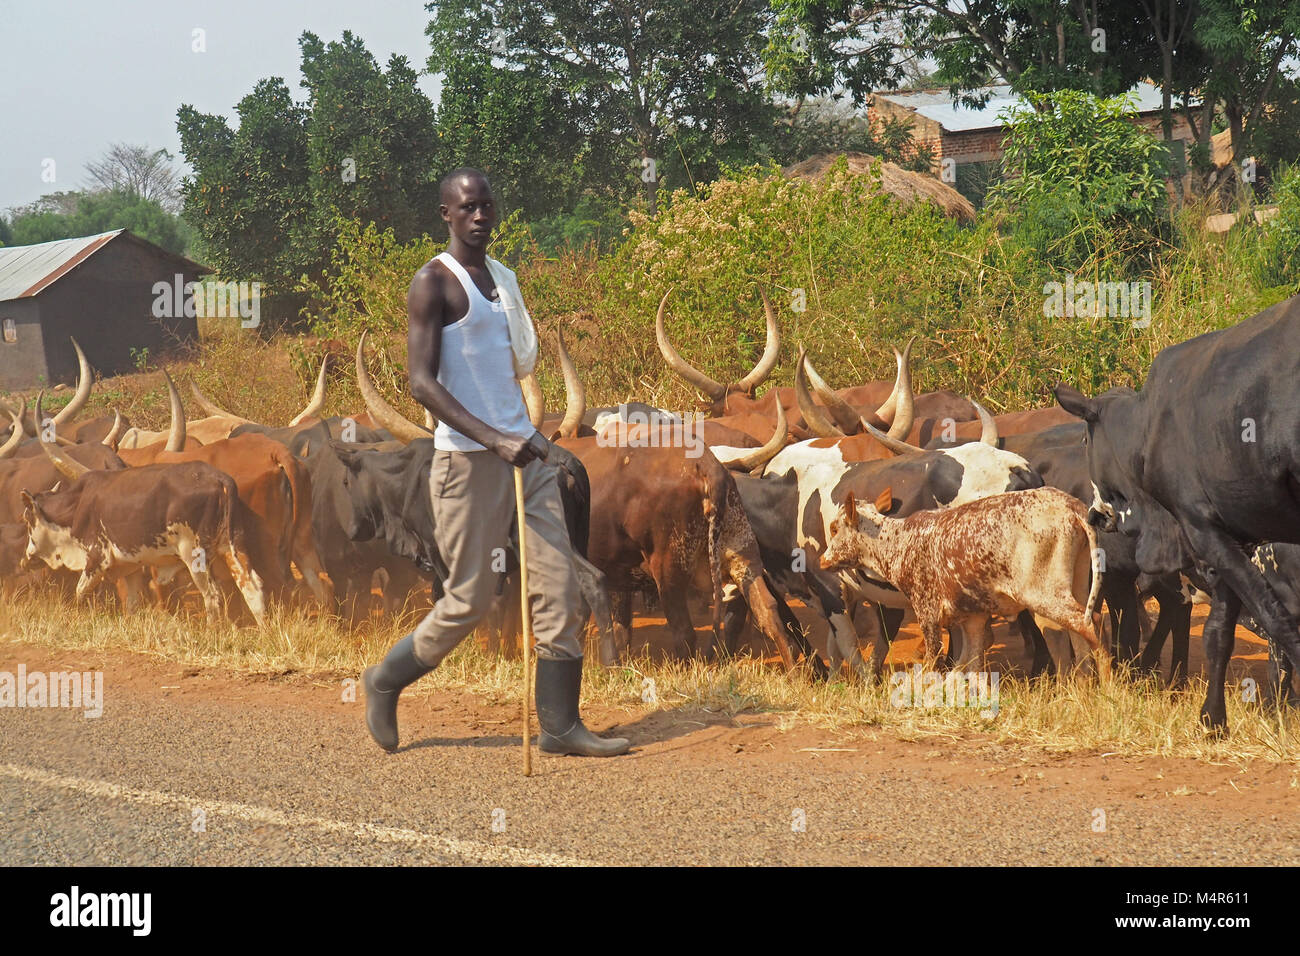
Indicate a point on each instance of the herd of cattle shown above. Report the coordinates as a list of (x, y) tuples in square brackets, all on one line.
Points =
[(1186, 490)]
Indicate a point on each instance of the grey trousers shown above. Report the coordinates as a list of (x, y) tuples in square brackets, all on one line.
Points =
[(473, 508)]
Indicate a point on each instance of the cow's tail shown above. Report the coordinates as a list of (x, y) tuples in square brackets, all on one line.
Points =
[(1094, 558)]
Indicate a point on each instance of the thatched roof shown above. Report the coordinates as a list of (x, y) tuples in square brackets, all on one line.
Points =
[(902, 184)]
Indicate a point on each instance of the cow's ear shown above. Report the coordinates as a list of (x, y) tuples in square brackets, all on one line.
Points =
[(850, 509), (885, 500), (29, 505), (1075, 402)]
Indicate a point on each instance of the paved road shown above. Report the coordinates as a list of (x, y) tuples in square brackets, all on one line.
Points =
[(283, 773)]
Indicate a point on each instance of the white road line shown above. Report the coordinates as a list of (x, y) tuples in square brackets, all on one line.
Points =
[(465, 849)]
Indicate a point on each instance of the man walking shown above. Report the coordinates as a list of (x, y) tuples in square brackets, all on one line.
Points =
[(469, 341)]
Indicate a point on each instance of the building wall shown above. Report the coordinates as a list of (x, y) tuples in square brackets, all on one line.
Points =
[(985, 145), (22, 363), (107, 304)]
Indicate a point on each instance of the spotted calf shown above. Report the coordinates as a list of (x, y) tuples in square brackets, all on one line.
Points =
[(1027, 550)]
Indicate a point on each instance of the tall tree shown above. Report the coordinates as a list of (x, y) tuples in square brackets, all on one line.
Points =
[(662, 91), (249, 199), (1042, 45), (519, 131), (1248, 43), (145, 172), (264, 197), (371, 138)]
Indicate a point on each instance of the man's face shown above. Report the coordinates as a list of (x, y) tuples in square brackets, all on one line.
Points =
[(469, 212)]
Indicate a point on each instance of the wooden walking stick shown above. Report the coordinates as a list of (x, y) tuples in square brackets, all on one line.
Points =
[(528, 624)]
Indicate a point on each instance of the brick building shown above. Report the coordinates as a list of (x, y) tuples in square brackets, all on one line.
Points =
[(972, 139)]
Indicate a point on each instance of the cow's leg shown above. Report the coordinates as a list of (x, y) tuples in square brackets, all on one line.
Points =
[(956, 641), (975, 633), (595, 593), (842, 636), (735, 615), (1150, 659), (1035, 647), (932, 632), (1240, 583), (678, 617), (1120, 592), (247, 580), (134, 584), (207, 589), (620, 606), (1057, 641), (1182, 634), (881, 624), (1219, 637), (1066, 609)]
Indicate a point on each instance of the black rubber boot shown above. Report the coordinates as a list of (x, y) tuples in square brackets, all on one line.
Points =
[(383, 684), (558, 683)]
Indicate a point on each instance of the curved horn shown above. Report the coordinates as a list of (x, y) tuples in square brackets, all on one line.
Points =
[(66, 466), (534, 399), (755, 461), (896, 445), (846, 417), (759, 373), (988, 427), (176, 436), (887, 411), (813, 415), (317, 403), (115, 433), (575, 394), (693, 376), (212, 408), (85, 379), (904, 402), (16, 434), (403, 429)]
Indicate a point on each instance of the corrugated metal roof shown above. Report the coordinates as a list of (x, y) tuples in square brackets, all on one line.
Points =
[(938, 105), (26, 270)]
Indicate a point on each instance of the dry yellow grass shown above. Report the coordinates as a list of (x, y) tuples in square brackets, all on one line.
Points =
[(1132, 718)]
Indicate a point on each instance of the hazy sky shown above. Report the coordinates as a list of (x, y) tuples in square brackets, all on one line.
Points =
[(77, 75)]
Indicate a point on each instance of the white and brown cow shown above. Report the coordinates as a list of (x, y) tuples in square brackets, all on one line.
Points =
[(1028, 550), (112, 524)]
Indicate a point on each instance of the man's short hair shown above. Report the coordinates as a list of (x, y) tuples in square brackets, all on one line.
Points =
[(455, 176)]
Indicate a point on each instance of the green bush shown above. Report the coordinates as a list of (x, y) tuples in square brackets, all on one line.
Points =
[(1279, 245), (850, 272), (1083, 183)]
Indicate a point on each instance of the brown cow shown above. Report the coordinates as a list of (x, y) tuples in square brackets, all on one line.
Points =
[(664, 517), (113, 524)]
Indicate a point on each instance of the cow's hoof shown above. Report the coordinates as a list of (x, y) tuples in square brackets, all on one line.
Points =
[(1216, 726)]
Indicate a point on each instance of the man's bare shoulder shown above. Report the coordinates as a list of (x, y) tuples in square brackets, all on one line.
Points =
[(428, 284)]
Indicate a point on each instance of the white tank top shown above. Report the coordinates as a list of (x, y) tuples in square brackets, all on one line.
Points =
[(477, 367)]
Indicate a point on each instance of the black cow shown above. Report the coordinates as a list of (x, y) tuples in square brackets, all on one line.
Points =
[(385, 497), (1204, 462), (333, 427)]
